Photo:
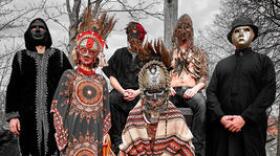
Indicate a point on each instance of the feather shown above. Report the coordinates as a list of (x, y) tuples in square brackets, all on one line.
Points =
[(102, 25)]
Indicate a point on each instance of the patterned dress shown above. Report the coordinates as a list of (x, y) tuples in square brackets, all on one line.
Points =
[(81, 114), (169, 137)]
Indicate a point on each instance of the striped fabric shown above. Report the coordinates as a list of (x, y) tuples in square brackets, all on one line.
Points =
[(172, 136)]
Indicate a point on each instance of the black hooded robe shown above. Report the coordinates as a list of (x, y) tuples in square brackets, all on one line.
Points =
[(32, 84), (242, 84)]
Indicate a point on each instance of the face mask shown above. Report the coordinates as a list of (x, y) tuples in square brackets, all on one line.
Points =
[(183, 32), (154, 101), (135, 45), (154, 85), (86, 56), (38, 30), (88, 49), (155, 98), (135, 31), (242, 36)]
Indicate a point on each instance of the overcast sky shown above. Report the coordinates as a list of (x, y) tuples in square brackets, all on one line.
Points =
[(201, 11)]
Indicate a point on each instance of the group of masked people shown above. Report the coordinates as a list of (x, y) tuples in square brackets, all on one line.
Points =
[(56, 109)]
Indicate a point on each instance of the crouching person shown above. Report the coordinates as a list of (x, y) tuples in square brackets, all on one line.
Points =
[(155, 126)]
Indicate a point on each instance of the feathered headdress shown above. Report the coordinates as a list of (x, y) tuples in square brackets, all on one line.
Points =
[(102, 25), (154, 77), (155, 51), (92, 32)]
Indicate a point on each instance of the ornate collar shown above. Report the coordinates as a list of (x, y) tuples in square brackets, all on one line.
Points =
[(85, 71)]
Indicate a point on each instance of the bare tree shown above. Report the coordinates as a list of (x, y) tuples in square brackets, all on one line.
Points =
[(14, 17), (136, 9)]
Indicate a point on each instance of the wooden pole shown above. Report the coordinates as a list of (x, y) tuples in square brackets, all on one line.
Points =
[(170, 18)]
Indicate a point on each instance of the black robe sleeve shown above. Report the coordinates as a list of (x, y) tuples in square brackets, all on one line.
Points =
[(214, 109), (13, 90), (266, 95), (65, 64)]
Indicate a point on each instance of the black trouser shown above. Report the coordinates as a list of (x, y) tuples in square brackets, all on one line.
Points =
[(8, 143), (119, 113), (198, 105)]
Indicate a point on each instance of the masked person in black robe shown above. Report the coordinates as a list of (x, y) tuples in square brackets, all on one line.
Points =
[(36, 71), (242, 87), (122, 71)]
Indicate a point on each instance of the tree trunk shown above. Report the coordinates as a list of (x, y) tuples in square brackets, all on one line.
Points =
[(170, 18), (73, 14)]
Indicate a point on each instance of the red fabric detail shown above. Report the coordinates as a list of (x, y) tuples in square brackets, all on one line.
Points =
[(90, 43), (141, 31), (93, 34), (85, 72), (107, 124), (172, 145)]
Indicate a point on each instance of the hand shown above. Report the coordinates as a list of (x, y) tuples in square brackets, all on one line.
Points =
[(106, 149), (131, 94), (226, 121), (189, 93), (172, 91), (121, 153), (125, 94), (237, 123), (14, 126), (106, 139)]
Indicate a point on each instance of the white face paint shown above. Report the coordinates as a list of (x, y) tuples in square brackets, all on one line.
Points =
[(242, 36)]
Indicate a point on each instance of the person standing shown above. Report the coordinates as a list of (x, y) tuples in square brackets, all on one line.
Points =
[(242, 87), (80, 105), (35, 74), (188, 79)]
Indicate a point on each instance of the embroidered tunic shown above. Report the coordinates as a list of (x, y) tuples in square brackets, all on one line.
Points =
[(81, 114), (170, 136)]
